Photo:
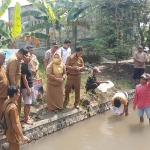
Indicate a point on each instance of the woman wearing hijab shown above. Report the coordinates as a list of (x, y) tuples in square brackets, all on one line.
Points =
[(55, 73)]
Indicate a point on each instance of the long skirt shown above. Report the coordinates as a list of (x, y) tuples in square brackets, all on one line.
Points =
[(54, 95)]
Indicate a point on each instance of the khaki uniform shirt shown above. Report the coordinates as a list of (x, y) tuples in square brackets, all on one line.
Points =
[(12, 117), (73, 61), (48, 56), (13, 70), (140, 56), (3, 82), (34, 64), (123, 98)]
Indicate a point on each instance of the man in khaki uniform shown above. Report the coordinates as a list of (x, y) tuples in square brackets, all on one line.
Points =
[(50, 53), (34, 64), (3, 82), (74, 65), (13, 70), (14, 132)]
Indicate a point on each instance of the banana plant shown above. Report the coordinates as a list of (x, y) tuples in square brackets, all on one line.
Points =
[(50, 12), (58, 15), (13, 32), (3, 6)]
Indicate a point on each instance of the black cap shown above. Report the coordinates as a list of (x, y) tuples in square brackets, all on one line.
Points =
[(28, 47), (23, 51), (54, 44)]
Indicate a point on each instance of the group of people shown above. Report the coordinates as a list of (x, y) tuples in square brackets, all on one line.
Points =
[(16, 80), (17, 84), (141, 84), (60, 65)]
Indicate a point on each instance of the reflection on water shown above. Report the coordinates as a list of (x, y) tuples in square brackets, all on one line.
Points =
[(102, 132)]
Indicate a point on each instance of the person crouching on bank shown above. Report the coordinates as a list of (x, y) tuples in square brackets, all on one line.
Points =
[(92, 82)]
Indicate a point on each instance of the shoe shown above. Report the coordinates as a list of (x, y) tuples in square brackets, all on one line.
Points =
[(77, 107)]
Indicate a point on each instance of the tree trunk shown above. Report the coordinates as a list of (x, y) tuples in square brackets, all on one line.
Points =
[(74, 37), (48, 41)]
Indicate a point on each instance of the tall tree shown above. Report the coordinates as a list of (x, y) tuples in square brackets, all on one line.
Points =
[(116, 25)]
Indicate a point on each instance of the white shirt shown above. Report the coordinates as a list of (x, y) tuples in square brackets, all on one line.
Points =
[(64, 53)]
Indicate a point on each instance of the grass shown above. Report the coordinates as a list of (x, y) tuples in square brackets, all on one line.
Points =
[(118, 82)]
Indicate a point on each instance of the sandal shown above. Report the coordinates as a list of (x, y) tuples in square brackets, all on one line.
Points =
[(1, 132), (30, 118), (28, 122)]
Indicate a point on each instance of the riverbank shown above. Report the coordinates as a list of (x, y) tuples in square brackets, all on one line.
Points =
[(53, 122)]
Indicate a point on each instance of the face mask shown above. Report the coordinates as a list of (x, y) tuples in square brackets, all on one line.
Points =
[(56, 60)]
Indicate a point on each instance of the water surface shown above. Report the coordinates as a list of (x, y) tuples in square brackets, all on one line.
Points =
[(102, 132)]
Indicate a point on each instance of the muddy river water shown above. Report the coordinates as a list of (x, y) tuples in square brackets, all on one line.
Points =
[(102, 132)]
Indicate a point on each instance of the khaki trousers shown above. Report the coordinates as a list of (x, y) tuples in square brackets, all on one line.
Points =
[(73, 79), (2, 100), (14, 145)]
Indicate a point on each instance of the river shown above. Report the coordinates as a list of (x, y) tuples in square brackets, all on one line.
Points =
[(102, 132)]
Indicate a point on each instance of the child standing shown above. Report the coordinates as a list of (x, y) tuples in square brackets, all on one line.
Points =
[(142, 97)]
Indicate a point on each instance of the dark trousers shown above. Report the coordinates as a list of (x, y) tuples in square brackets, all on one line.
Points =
[(91, 86)]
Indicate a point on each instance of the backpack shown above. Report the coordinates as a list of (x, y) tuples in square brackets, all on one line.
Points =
[(3, 119)]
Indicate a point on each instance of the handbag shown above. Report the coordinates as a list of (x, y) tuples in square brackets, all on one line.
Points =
[(3, 119)]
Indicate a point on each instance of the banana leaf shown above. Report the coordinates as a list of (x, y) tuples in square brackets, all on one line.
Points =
[(3, 6), (5, 42), (34, 13), (50, 12), (36, 35), (40, 26), (75, 12), (16, 29), (26, 25), (3, 33), (38, 4)]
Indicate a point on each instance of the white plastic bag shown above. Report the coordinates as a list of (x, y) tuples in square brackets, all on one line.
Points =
[(115, 110), (104, 86)]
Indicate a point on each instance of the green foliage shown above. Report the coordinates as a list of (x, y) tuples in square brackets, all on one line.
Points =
[(16, 28), (116, 28), (3, 6)]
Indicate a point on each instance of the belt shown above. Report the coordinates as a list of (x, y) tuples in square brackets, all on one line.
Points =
[(73, 74)]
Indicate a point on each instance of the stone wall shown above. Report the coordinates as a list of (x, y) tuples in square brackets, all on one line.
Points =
[(63, 120)]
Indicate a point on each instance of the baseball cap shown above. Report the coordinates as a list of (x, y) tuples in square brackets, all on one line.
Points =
[(23, 51), (144, 76), (96, 69), (54, 44), (29, 46)]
